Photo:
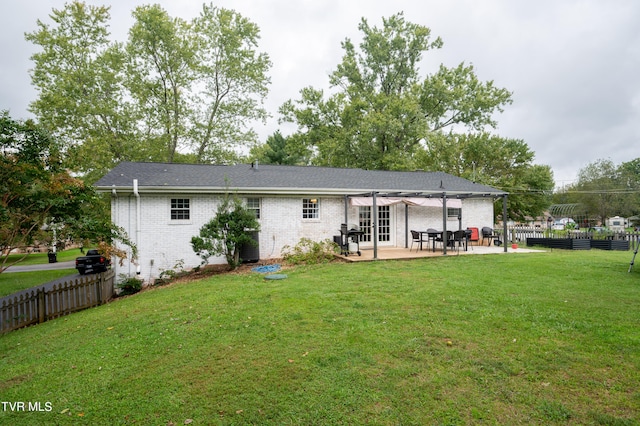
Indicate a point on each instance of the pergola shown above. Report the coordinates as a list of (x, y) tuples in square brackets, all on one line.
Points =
[(433, 199)]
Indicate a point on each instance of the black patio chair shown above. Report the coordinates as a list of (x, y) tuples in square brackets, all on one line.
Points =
[(488, 234), (460, 239), (416, 237)]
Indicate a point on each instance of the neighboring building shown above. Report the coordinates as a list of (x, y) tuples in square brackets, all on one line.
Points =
[(161, 206), (617, 223)]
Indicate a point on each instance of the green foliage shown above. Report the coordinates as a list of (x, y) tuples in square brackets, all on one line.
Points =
[(40, 196), (310, 252), (175, 90), (280, 150), (605, 189), (130, 285), (168, 275), (383, 109), (227, 232)]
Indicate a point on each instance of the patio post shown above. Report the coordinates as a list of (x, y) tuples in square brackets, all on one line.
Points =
[(445, 240), (346, 209), (374, 225), (504, 220), (406, 225)]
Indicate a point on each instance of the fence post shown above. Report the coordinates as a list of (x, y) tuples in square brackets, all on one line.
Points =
[(41, 306)]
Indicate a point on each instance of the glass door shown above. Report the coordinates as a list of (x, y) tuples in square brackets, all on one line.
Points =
[(385, 225)]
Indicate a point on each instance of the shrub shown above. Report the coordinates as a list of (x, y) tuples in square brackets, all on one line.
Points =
[(130, 285), (310, 252)]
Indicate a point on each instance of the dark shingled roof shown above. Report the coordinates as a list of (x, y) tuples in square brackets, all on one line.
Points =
[(282, 179)]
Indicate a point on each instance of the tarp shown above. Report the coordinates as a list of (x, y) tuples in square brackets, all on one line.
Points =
[(411, 201)]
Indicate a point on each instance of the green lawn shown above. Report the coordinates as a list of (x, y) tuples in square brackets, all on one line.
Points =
[(40, 258), (547, 338), (12, 282)]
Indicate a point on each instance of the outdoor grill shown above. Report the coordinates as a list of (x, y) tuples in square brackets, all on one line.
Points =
[(350, 239)]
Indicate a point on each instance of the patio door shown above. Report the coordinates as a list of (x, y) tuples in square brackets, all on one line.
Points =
[(385, 225)]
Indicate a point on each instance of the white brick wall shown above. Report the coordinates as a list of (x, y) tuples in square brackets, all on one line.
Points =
[(163, 242)]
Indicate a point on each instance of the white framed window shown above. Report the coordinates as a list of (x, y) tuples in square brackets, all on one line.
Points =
[(180, 209), (253, 204), (310, 208)]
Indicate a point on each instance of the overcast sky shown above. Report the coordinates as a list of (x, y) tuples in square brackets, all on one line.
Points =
[(573, 65)]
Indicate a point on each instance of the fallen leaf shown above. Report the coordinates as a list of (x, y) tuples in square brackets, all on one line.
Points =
[(239, 411), (109, 328), (291, 360), (80, 414), (305, 354), (64, 411), (188, 421)]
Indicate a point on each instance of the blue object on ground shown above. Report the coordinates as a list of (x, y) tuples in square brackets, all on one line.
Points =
[(266, 268), (275, 277)]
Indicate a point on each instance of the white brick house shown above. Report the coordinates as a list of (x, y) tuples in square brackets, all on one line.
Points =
[(161, 206)]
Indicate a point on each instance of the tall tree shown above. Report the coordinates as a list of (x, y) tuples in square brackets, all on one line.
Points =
[(232, 83), (174, 91), (599, 189), (82, 100), (37, 191), (495, 161), (280, 150), (161, 72), (382, 110)]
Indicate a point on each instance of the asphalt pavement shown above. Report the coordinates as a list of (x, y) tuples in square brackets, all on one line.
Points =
[(41, 267)]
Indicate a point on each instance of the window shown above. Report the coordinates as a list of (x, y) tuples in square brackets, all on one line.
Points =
[(253, 204), (310, 208), (454, 212), (179, 209)]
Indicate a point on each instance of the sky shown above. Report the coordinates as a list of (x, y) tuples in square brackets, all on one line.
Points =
[(573, 66)]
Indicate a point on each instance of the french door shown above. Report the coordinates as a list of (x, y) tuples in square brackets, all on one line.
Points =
[(385, 225)]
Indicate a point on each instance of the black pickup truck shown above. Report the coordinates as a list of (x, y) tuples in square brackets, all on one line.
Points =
[(93, 261)]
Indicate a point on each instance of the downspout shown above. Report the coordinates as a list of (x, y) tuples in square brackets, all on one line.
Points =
[(138, 218)]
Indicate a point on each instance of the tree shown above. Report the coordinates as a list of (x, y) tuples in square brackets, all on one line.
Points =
[(174, 91), (382, 111), (495, 161), (227, 232), (280, 150), (37, 192), (82, 101), (232, 83), (606, 190)]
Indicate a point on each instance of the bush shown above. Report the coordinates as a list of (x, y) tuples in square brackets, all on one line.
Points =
[(129, 286), (310, 252)]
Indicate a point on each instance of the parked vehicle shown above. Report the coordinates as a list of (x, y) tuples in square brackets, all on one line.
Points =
[(562, 223), (93, 262)]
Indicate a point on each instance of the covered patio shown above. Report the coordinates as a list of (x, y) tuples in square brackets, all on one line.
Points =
[(401, 253), (440, 199)]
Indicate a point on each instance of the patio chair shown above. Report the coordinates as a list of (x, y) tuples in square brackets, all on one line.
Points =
[(460, 239), (488, 234), (441, 237), (434, 236), (416, 237)]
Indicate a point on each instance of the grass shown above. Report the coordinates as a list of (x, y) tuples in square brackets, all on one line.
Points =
[(16, 281), (12, 282), (41, 258), (549, 338)]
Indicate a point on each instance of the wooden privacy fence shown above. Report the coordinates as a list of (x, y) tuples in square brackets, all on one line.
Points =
[(40, 304)]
